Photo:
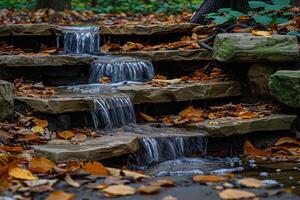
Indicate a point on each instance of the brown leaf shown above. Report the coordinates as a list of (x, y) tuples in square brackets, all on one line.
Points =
[(12, 149), (209, 179), (148, 118), (66, 135), (41, 165), (287, 140), (118, 172), (250, 150), (149, 189), (119, 190), (95, 168), (234, 194), (40, 123), (60, 195), (251, 183), (261, 33), (6, 162), (20, 173)]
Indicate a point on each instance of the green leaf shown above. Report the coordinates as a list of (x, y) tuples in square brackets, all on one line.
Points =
[(274, 7), (224, 10), (211, 15), (294, 33), (220, 20), (286, 3), (262, 19), (281, 20), (257, 4), (288, 14), (235, 13)]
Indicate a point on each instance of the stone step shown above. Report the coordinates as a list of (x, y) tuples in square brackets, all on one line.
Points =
[(243, 47), (85, 60), (116, 143), (225, 127), (74, 102), (45, 29), (285, 86)]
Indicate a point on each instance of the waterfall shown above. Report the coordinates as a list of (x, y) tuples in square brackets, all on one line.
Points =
[(121, 69), (81, 40), (112, 112), (154, 150)]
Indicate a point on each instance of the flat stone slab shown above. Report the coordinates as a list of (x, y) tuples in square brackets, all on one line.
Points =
[(170, 55), (45, 61), (93, 149), (45, 29), (181, 92), (285, 87), (241, 47), (225, 127)]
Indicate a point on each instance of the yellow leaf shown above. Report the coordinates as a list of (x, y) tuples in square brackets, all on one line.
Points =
[(66, 135), (287, 140), (261, 33), (95, 168), (20, 173), (60, 195), (119, 190), (40, 165), (209, 179), (234, 194), (38, 129), (40, 123)]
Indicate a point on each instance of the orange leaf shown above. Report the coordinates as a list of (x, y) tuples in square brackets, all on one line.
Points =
[(66, 135), (40, 123), (209, 178), (95, 168), (12, 149), (41, 165), (20, 173), (287, 140), (250, 150), (60, 195), (247, 115)]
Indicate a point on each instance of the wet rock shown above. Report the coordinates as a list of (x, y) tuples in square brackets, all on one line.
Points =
[(6, 99), (285, 87), (225, 127), (184, 92), (259, 75), (93, 149), (28, 29), (240, 47), (42, 61), (170, 55)]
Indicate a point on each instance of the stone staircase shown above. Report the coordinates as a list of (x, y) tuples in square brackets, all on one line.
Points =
[(67, 70)]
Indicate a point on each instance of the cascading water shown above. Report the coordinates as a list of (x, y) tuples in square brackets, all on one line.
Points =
[(159, 149), (121, 69), (112, 112), (81, 40)]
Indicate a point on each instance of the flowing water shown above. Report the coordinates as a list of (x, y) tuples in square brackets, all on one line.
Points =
[(81, 39), (112, 112), (120, 69)]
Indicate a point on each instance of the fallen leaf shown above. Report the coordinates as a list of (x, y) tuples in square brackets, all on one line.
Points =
[(41, 165), (247, 115), (251, 183), (118, 172), (162, 183), (6, 163), (261, 33), (287, 140), (149, 189), (119, 190), (171, 81), (66, 135), (12, 149), (38, 129), (95, 168), (294, 151), (71, 182), (148, 118), (234, 194), (40, 182), (20, 173), (40, 123), (209, 178), (169, 197), (60, 195), (250, 150)]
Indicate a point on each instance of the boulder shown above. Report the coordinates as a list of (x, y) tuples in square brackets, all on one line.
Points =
[(285, 87), (6, 99), (241, 47), (258, 76)]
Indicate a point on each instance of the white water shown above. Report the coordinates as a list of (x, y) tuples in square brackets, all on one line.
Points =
[(81, 40), (121, 69), (113, 112)]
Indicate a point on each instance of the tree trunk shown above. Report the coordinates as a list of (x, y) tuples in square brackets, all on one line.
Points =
[(210, 6), (57, 5)]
